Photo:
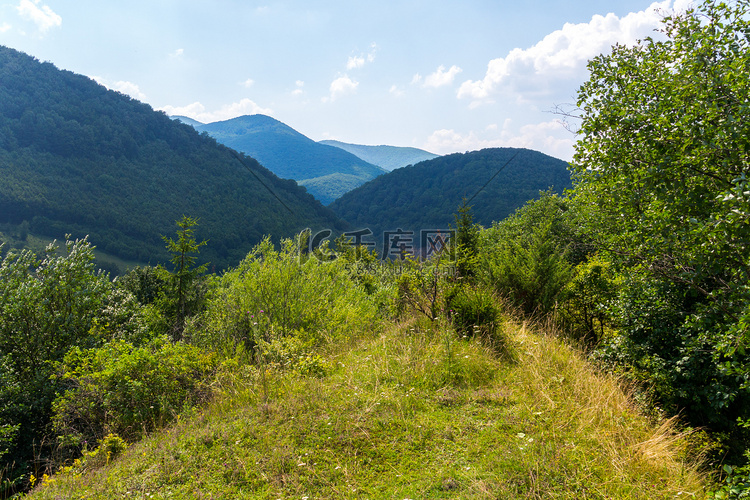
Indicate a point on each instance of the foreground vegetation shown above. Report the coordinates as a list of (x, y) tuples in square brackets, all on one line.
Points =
[(410, 412)]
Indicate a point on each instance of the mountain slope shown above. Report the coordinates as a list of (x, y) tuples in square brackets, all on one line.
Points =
[(291, 155), (426, 195), (387, 157), (77, 158)]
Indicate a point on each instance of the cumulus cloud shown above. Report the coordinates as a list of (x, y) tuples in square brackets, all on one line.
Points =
[(563, 54), (396, 91), (5, 27), (548, 137), (41, 15), (342, 85), (177, 53), (248, 83), (440, 78), (197, 111), (125, 87)]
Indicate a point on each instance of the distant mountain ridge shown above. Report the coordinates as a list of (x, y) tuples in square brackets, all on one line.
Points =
[(387, 157), (426, 196), (78, 158), (326, 171)]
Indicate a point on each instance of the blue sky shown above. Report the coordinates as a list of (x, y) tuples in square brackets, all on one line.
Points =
[(438, 75)]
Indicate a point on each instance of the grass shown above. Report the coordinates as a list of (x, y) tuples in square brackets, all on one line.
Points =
[(413, 413)]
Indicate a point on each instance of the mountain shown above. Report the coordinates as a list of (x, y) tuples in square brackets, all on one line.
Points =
[(327, 172), (387, 157), (425, 196), (78, 158), (187, 121)]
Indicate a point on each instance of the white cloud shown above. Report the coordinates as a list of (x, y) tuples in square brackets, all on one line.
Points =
[(440, 77), (177, 53), (43, 16), (447, 141), (342, 85), (548, 137), (298, 91), (5, 27), (128, 88), (563, 54), (396, 91), (355, 62), (248, 83), (197, 111)]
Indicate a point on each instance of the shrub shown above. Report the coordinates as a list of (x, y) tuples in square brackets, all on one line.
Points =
[(272, 294), (128, 390), (474, 311), (527, 257)]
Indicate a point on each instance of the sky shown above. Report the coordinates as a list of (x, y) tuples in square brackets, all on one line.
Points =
[(445, 76)]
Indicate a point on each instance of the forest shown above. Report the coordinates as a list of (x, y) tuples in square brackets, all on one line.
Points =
[(425, 195), (78, 158), (643, 267)]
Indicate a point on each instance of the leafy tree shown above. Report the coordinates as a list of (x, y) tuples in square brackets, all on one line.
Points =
[(46, 307), (661, 173)]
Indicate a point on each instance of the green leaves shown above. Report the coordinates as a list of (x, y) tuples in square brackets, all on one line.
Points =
[(661, 183)]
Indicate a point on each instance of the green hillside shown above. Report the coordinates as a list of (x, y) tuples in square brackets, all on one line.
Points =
[(77, 158), (291, 155), (426, 195), (406, 411), (387, 157)]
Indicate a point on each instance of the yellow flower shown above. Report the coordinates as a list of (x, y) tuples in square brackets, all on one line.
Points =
[(32, 480)]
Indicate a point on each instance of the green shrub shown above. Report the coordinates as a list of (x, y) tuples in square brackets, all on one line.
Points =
[(47, 305), (128, 390), (527, 257), (587, 300), (273, 294), (474, 311)]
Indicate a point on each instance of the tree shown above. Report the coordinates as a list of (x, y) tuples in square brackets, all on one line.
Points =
[(185, 272), (661, 172), (467, 241)]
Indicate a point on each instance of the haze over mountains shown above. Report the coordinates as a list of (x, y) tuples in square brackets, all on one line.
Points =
[(387, 157), (79, 159), (326, 171)]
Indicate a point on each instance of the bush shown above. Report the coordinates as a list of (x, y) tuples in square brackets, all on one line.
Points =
[(473, 310), (128, 390), (527, 257), (272, 294)]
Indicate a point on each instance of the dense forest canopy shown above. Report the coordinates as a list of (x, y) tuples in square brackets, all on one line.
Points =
[(79, 159), (495, 182)]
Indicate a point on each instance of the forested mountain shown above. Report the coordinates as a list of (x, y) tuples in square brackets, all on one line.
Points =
[(387, 157), (425, 196), (78, 158), (327, 172)]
